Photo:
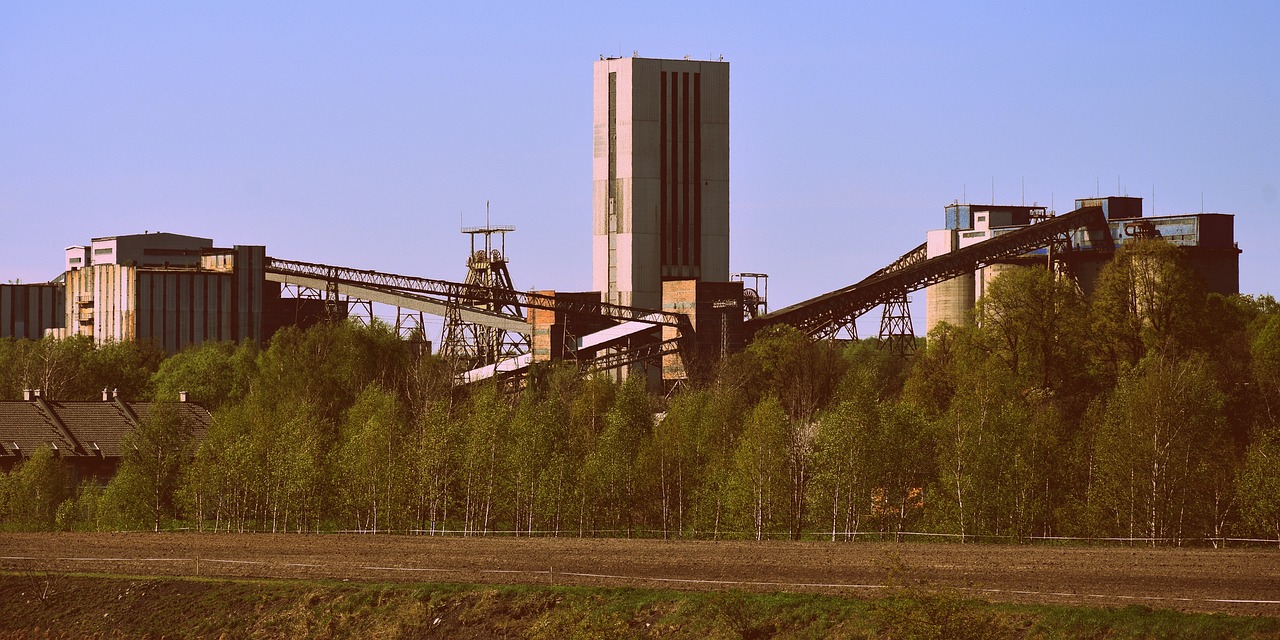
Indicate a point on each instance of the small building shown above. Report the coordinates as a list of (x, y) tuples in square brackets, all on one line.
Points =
[(87, 436)]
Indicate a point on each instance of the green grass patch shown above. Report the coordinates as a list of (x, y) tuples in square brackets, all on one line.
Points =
[(45, 605)]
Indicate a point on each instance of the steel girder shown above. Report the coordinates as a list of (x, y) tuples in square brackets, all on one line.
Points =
[(824, 315)]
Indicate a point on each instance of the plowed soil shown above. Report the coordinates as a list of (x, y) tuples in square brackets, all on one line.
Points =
[(1245, 581)]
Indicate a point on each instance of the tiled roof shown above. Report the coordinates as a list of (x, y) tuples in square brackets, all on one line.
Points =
[(98, 427), (25, 428)]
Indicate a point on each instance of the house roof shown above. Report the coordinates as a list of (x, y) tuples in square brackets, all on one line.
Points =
[(77, 428)]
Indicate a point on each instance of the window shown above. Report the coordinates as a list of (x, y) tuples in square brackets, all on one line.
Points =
[(98, 252)]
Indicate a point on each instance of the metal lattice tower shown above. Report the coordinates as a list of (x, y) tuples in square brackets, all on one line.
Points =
[(896, 333), (755, 298), (468, 345)]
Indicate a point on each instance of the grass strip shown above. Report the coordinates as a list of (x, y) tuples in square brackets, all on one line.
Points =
[(57, 605)]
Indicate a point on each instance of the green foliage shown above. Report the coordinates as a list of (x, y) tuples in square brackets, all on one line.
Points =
[(75, 369), (801, 372), (1034, 322), (1259, 482), (1146, 298), (214, 373), (31, 493), (143, 491), (1155, 422), (759, 477), (373, 486), (1153, 452)]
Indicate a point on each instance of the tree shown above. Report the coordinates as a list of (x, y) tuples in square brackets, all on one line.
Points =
[(612, 466), (34, 490), (1146, 298), (1151, 451), (436, 465), (155, 453), (373, 483), (760, 467), (801, 372), (1035, 322), (904, 464), (214, 373), (842, 458), (1266, 366), (1259, 483), (487, 422)]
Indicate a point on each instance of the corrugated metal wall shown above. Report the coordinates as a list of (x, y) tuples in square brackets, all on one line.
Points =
[(26, 310)]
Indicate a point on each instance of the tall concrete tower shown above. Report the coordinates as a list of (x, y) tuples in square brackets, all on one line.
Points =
[(660, 207)]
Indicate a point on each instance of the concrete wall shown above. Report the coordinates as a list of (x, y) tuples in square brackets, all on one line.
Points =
[(715, 314), (27, 310), (660, 199)]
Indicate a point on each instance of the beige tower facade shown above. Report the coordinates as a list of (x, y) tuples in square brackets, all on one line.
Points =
[(660, 205)]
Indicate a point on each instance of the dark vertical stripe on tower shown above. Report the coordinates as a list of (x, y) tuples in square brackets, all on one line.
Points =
[(684, 168), (697, 171), (191, 310), (664, 237)]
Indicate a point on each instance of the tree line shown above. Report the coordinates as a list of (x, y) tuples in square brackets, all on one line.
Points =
[(1147, 411)]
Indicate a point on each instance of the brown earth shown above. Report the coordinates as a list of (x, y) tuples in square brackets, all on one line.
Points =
[(1245, 581)]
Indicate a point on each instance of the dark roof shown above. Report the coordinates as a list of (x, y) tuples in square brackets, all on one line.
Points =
[(98, 428)]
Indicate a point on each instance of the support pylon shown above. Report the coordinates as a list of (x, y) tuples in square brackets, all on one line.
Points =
[(896, 333)]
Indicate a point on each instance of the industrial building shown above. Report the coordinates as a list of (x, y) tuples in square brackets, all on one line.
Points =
[(660, 206), (662, 298), (27, 310), (1207, 238), (166, 289)]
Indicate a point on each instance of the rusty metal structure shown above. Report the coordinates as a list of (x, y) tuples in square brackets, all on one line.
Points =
[(494, 331), (487, 306), (467, 344), (826, 315)]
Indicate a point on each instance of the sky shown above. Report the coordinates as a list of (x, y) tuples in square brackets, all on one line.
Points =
[(366, 134)]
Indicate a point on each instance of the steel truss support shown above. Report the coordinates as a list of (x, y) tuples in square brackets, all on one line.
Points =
[(823, 315), (896, 332)]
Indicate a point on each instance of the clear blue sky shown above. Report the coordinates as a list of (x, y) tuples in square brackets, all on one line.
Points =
[(361, 134)]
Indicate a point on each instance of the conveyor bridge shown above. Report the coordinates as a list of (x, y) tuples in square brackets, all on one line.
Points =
[(626, 341), (826, 314)]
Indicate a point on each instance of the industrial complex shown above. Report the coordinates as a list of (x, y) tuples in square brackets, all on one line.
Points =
[(664, 296)]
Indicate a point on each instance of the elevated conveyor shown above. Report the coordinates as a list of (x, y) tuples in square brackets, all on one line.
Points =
[(825, 314), (609, 338), (467, 301), (445, 294)]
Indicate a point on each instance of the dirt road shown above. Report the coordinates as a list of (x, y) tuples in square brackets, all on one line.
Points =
[(1229, 581)]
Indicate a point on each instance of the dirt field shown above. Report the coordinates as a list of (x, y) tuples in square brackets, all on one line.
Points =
[(1206, 580)]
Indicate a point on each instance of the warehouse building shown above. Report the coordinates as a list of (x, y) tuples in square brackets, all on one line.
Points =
[(166, 289)]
